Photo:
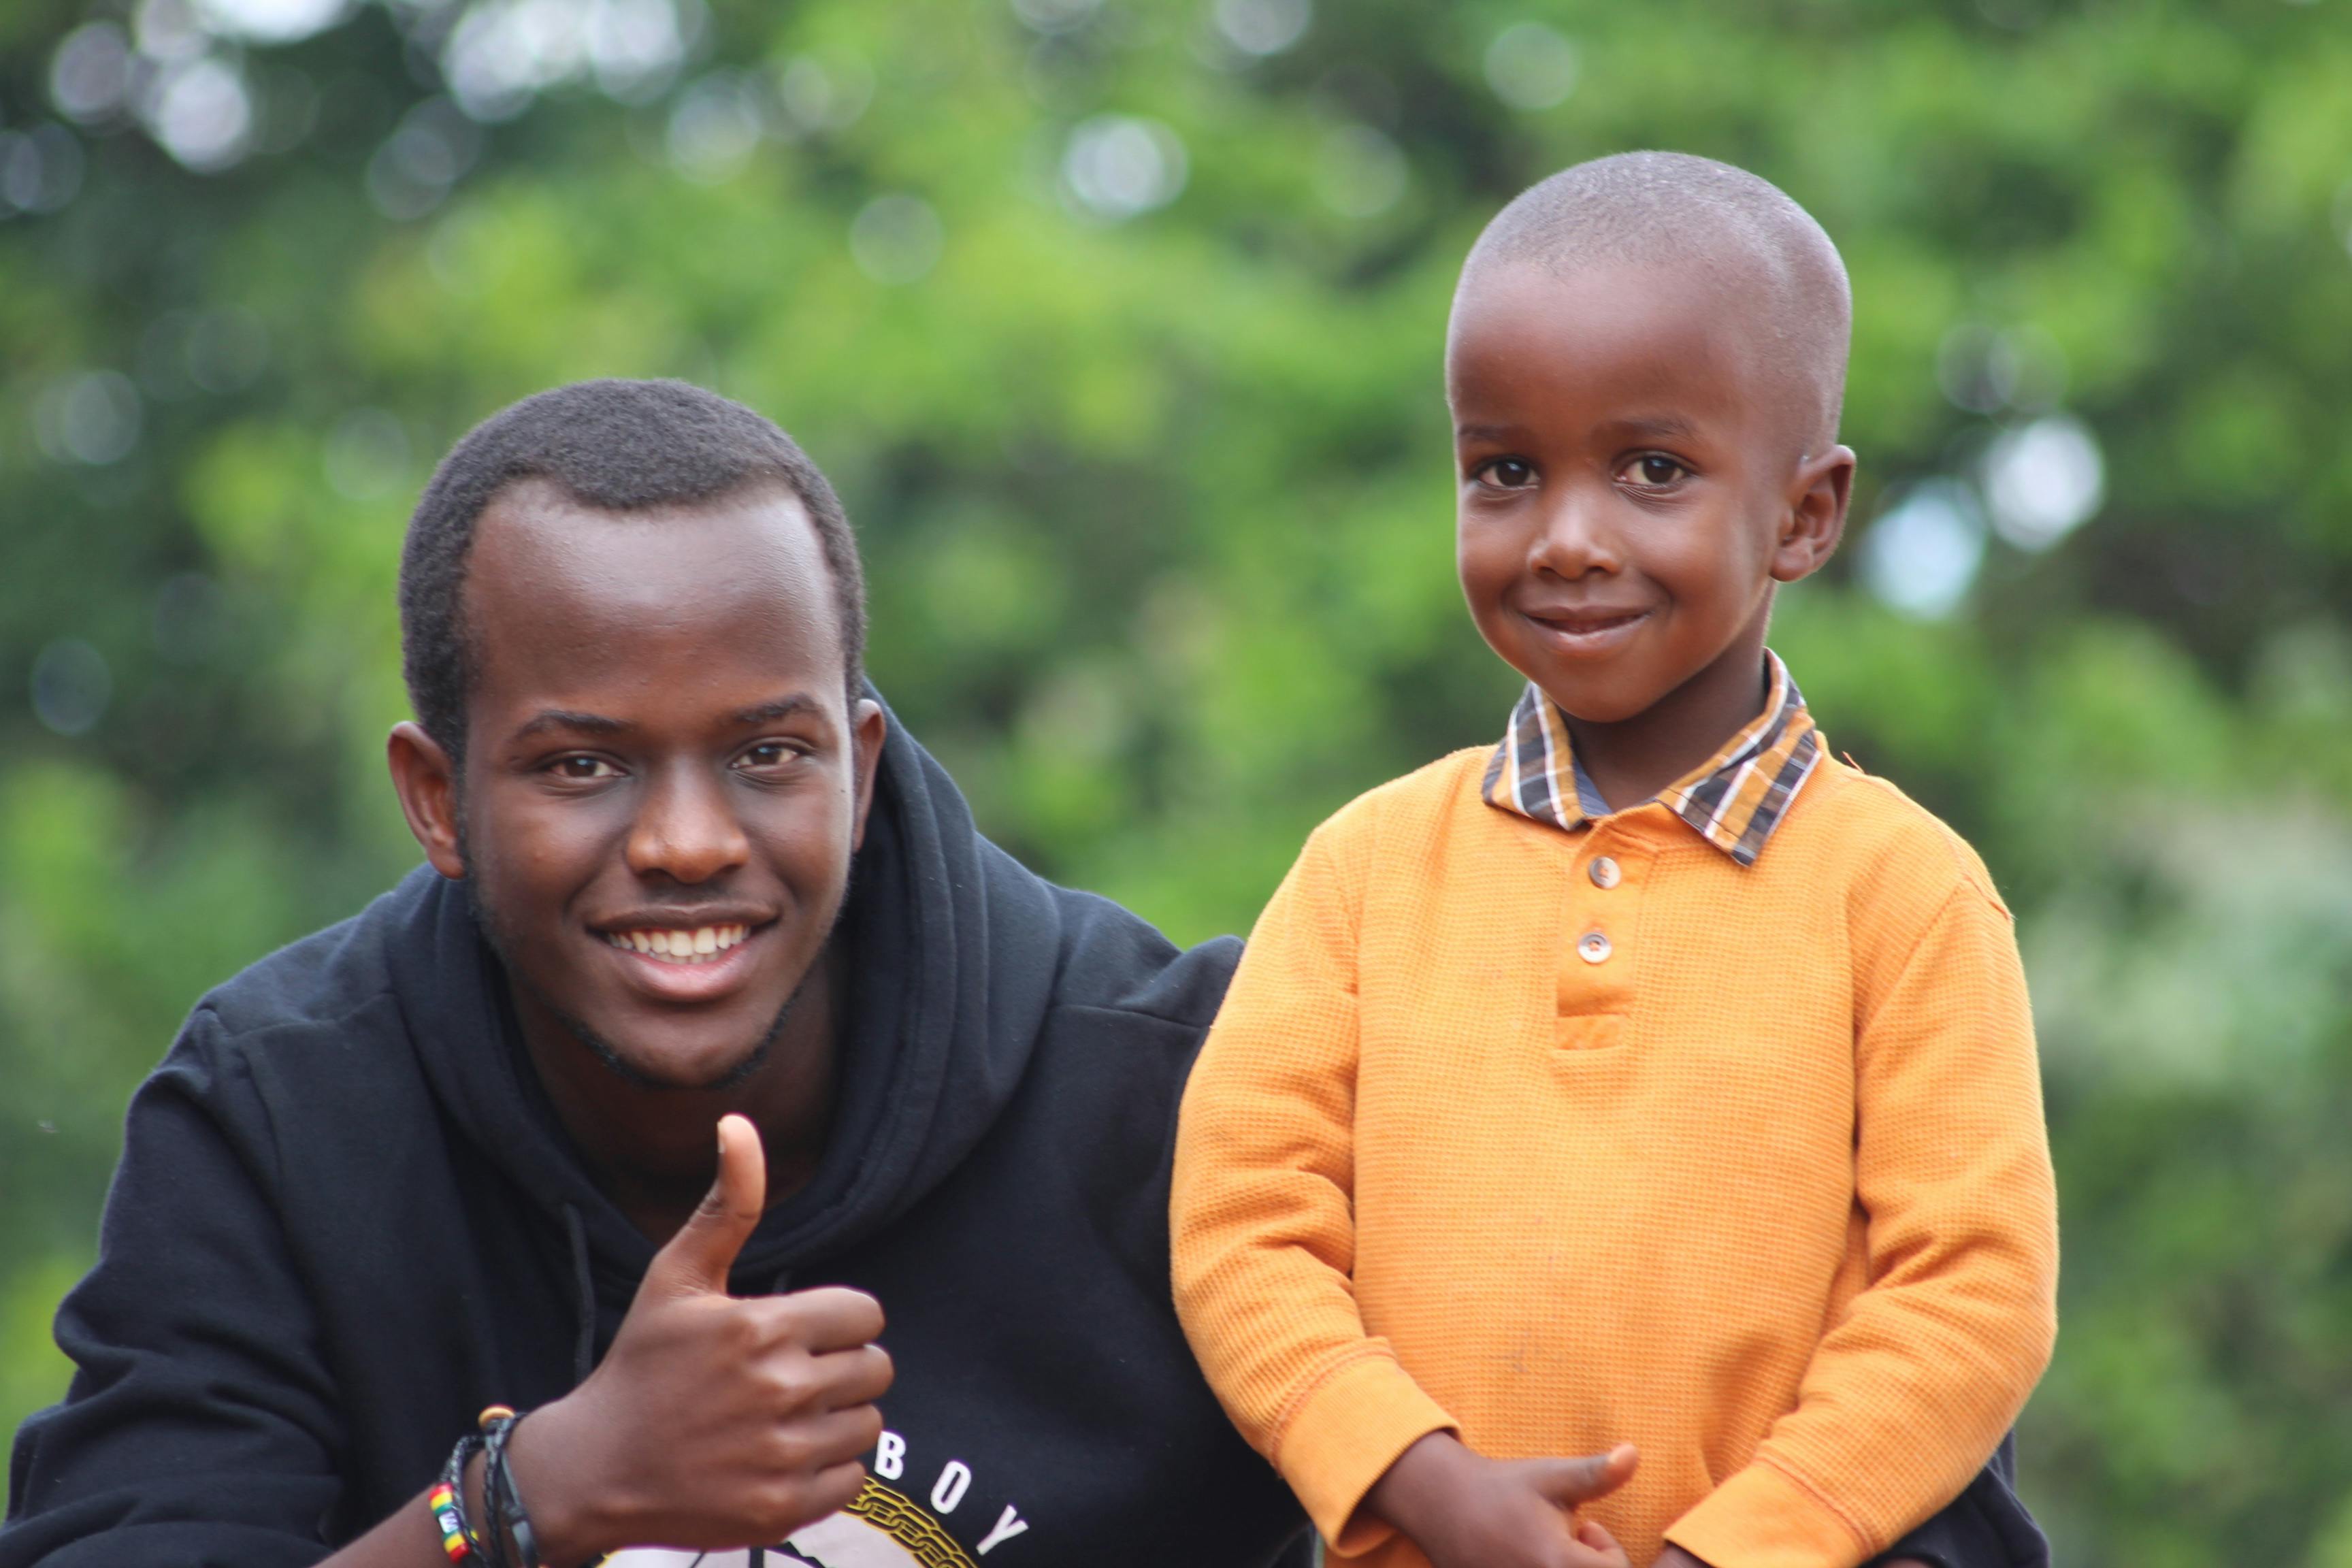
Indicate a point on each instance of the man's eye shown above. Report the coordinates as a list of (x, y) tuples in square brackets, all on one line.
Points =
[(1506, 473), (768, 754), (584, 768), (1656, 471)]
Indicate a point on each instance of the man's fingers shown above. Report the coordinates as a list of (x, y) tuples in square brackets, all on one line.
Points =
[(831, 1317), (857, 1376), (697, 1257), (836, 1487), (1569, 1482), (835, 1437)]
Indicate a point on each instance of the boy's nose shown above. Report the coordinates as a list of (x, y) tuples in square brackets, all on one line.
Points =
[(1576, 539)]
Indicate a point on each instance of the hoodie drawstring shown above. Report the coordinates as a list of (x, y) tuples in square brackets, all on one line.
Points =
[(583, 1350)]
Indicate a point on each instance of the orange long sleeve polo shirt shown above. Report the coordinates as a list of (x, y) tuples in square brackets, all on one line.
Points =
[(1563, 1138)]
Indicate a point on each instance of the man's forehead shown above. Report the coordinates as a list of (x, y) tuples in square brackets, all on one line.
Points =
[(552, 579)]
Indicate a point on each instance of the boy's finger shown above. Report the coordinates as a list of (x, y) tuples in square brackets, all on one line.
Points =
[(1568, 1482)]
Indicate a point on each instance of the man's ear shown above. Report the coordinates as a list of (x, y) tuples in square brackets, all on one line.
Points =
[(427, 782), (1814, 520), (868, 725)]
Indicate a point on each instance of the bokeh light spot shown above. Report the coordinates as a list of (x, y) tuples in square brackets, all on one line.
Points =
[(1055, 15), (2044, 480), (91, 417), (89, 74), (426, 153), (897, 239), (1116, 167), (1261, 27), (1531, 66), (1984, 370), (1362, 173), (200, 112), (366, 455), (716, 126), (823, 95), (40, 169), (1921, 557), (71, 686), (270, 21)]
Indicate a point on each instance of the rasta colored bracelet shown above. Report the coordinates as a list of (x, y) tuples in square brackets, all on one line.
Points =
[(508, 1539), (449, 1517)]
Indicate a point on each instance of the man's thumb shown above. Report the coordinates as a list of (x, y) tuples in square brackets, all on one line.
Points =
[(1571, 1482), (698, 1257)]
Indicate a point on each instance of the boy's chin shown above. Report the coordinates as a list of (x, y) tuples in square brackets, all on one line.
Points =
[(1591, 699)]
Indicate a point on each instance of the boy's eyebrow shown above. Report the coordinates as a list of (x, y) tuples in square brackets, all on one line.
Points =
[(1658, 425)]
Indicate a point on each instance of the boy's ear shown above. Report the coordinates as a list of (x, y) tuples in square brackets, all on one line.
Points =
[(1814, 518), (427, 782)]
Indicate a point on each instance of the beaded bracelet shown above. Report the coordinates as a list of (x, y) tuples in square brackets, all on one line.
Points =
[(507, 1541), (447, 1502)]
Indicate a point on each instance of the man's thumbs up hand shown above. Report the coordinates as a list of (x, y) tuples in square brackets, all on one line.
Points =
[(698, 1258), (714, 1423)]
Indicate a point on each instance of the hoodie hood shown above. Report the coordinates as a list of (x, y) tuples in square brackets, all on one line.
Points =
[(953, 950)]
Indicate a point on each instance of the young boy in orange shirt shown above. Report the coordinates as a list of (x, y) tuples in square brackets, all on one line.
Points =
[(1652, 1079)]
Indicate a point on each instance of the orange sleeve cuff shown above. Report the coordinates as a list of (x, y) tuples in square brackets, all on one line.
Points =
[(1763, 1518), (1344, 1436)]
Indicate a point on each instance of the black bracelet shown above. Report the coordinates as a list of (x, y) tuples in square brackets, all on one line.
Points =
[(497, 1536), (510, 1521), (510, 1543)]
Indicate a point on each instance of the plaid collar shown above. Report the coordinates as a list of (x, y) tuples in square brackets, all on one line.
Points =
[(1734, 800)]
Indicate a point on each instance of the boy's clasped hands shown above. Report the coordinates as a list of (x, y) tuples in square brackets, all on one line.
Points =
[(1465, 1510)]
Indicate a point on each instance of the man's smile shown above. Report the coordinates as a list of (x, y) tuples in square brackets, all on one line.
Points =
[(675, 944), (684, 957)]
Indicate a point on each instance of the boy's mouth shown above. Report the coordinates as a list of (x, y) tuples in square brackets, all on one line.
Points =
[(1582, 631)]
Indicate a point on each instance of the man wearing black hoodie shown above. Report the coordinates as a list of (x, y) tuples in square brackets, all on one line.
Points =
[(684, 875)]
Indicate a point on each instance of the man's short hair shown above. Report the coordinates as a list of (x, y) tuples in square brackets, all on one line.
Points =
[(618, 445), (1676, 208)]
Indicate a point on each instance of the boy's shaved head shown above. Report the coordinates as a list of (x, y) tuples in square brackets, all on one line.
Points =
[(1743, 233)]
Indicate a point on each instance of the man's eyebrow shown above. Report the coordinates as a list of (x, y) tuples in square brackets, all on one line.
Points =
[(1484, 432), (568, 719), (781, 707)]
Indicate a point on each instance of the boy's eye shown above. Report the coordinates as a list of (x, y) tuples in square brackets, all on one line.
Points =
[(584, 769), (1654, 470), (1506, 473)]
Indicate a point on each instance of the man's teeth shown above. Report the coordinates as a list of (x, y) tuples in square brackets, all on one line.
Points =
[(699, 945)]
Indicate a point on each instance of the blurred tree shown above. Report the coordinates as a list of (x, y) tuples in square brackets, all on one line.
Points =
[(1119, 324)]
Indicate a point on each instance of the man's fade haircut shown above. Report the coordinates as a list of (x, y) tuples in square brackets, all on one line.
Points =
[(1678, 209), (616, 446)]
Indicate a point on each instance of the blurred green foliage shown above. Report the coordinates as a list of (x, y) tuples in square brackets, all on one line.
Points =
[(1119, 324)]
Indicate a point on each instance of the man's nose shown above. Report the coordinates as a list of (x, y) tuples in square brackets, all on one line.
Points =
[(1579, 536), (686, 828)]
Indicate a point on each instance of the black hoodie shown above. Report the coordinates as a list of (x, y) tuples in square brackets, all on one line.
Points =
[(346, 1219)]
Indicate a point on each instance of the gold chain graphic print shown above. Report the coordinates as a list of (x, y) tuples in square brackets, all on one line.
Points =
[(881, 1528)]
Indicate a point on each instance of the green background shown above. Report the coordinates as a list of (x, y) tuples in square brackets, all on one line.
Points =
[(1140, 421)]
